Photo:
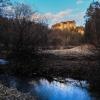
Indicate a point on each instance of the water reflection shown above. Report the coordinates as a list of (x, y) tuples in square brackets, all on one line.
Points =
[(59, 91), (42, 89), (3, 62)]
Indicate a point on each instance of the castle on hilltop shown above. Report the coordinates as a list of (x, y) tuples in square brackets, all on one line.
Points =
[(69, 26)]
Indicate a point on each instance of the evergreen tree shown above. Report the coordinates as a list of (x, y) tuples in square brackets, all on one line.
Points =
[(92, 27)]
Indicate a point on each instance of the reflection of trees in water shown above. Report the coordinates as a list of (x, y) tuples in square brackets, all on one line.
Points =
[(42, 88)]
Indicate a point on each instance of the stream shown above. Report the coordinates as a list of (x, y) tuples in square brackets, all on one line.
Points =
[(57, 89)]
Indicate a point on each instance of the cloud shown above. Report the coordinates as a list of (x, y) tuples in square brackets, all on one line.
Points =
[(58, 15), (79, 2), (68, 14), (79, 17), (53, 17), (71, 15)]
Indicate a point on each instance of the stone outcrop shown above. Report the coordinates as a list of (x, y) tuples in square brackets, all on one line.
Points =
[(69, 26)]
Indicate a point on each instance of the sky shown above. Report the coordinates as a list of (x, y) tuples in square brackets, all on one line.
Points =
[(60, 10)]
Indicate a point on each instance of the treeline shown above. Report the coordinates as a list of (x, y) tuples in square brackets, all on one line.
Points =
[(19, 36), (92, 30), (92, 35), (64, 39), (22, 36), (92, 26)]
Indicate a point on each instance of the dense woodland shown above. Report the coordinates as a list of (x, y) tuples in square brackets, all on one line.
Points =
[(22, 37), (92, 26)]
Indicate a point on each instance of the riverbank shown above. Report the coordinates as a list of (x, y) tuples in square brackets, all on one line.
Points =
[(80, 63), (43, 89), (13, 94)]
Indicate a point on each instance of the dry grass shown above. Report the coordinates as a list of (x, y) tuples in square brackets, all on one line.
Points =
[(13, 94)]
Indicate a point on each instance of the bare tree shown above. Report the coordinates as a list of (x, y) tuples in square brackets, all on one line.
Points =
[(27, 35), (23, 11), (4, 4)]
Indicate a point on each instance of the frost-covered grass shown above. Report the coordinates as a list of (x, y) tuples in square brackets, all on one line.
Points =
[(79, 50)]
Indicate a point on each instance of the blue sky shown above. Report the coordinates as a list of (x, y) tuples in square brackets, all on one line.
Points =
[(60, 10)]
